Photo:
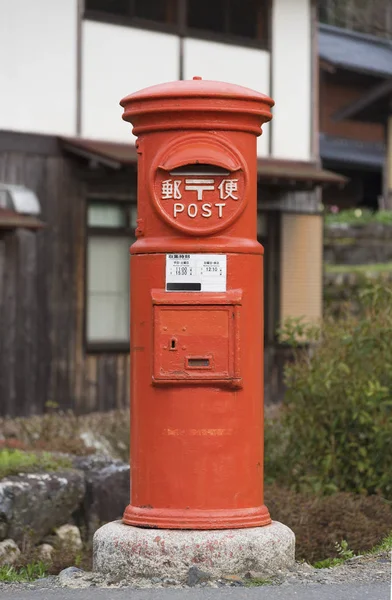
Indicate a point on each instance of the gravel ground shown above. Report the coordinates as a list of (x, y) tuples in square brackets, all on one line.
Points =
[(365, 569)]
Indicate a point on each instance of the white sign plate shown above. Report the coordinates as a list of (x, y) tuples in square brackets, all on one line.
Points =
[(196, 272)]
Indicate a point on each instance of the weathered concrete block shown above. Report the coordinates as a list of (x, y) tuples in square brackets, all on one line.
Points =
[(125, 551)]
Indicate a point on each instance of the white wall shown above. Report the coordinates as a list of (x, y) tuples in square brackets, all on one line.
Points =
[(235, 64), (291, 79), (116, 62), (38, 65)]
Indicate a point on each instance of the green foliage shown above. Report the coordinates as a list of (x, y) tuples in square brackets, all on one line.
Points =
[(360, 269), (29, 572), (257, 582), (328, 563), (359, 216), (319, 520), (338, 406), (384, 546), (66, 432), (13, 461), (343, 550)]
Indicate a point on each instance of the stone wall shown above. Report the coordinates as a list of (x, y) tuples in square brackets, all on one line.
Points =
[(357, 244)]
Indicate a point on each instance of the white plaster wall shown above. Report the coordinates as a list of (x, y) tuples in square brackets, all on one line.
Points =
[(116, 62), (38, 65), (235, 64), (291, 79)]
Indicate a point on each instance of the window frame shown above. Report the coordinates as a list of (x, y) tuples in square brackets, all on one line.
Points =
[(129, 21), (128, 232), (270, 239), (181, 29), (232, 39)]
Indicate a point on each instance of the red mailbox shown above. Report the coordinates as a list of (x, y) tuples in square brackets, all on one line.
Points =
[(197, 308)]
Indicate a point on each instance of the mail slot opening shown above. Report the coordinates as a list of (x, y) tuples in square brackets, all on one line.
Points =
[(198, 363), (199, 169)]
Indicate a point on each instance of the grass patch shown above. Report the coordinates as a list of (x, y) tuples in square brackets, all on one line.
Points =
[(13, 461), (30, 572), (257, 582), (384, 546), (66, 432), (328, 563), (371, 268)]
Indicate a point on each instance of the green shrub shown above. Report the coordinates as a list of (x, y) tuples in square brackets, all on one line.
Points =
[(359, 216), (337, 413)]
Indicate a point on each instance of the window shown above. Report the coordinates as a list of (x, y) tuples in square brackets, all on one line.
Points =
[(247, 19), (109, 235), (237, 21), (153, 11), (111, 7)]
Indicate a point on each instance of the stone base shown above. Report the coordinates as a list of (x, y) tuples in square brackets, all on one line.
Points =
[(126, 551)]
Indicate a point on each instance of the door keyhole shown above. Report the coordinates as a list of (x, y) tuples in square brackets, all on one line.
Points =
[(173, 344)]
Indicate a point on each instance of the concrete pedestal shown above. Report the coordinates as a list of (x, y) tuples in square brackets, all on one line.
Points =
[(125, 551)]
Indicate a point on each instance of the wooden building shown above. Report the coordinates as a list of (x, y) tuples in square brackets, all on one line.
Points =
[(351, 65), (64, 292)]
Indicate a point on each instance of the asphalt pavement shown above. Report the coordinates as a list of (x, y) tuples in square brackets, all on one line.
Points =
[(375, 591)]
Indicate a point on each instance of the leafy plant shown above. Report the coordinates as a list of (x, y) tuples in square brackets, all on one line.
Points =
[(338, 405), (343, 550)]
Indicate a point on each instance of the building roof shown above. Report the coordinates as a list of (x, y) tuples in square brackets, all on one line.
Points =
[(9, 219), (352, 152), (354, 51), (270, 170)]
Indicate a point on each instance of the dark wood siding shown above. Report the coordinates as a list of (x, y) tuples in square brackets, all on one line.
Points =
[(335, 95), (42, 275), (43, 357)]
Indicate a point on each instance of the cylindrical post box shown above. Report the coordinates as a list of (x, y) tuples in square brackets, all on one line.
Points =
[(197, 308)]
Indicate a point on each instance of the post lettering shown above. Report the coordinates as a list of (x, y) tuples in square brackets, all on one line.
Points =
[(192, 210), (220, 206), (178, 208), (206, 210)]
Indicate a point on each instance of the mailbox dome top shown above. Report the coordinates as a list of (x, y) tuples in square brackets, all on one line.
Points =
[(197, 88), (197, 104)]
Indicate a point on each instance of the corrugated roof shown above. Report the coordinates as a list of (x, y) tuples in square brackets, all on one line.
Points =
[(355, 51), (271, 170), (355, 152), (9, 219)]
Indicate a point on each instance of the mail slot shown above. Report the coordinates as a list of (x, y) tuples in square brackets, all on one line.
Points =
[(197, 308)]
